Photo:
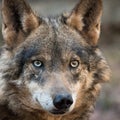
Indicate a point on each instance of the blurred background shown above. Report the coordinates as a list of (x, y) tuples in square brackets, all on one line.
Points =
[(108, 105)]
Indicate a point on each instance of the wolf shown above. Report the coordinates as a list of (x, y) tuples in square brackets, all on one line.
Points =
[(51, 68)]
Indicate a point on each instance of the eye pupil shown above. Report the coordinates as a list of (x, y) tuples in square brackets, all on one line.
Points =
[(37, 63), (74, 64)]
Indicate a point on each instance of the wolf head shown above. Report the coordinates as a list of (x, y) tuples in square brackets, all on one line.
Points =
[(53, 64)]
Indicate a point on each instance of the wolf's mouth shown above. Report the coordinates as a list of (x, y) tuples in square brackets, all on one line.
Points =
[(58, 112)]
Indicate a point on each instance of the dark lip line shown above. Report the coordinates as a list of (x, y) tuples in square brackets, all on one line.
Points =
[(57, 112)]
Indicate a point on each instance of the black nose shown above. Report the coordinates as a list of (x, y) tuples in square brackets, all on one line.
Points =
[(62, 101)]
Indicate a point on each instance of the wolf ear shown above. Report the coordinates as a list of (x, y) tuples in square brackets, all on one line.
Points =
[(86, 18), (18, 21)]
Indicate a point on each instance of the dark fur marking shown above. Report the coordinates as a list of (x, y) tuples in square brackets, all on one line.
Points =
[(8, 112), (17, 64), (40, 80), (25, 55), (18, 24), (83, 53), (88, 21)]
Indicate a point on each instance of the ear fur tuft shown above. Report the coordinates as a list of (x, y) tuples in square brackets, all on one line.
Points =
[(86, 18), (18, 21)]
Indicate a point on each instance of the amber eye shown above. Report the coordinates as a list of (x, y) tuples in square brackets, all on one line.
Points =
[(37, 63), (74, 63)]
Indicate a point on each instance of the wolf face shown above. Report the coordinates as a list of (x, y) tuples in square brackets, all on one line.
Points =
[(53, 65)]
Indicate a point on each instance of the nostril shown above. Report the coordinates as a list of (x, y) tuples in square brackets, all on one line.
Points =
[(69, 101), (63, 101)]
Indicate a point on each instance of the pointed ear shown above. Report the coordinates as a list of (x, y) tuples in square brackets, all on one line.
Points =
[(18, 21), (86, 18)]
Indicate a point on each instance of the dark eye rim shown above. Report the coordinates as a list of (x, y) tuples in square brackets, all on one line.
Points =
[(33, 62), (74, 66)]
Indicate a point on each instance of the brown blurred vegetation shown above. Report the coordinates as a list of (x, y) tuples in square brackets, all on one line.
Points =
[(108, 105)]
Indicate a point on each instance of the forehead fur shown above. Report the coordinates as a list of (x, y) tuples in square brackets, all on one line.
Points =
[(54, 32)]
